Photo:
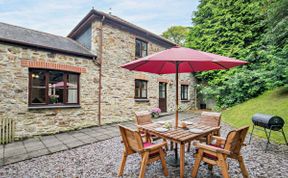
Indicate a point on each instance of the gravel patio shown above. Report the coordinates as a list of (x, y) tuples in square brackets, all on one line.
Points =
[(101, 159)]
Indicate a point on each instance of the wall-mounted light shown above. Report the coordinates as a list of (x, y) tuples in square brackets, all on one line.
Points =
[(35, 76)]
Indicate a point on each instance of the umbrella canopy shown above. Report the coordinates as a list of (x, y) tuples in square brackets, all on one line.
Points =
[(189, 60), (181, 60)]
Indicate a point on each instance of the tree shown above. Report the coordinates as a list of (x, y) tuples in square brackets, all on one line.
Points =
[(238, 28), (177, 34), (277, 21)]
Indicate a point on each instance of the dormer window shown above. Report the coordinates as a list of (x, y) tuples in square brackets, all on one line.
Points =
[(141, 48)]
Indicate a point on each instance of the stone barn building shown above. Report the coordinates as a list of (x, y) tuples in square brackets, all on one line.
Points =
[(51, 84)]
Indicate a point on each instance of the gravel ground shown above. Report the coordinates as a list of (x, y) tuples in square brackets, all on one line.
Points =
[(103, 158)]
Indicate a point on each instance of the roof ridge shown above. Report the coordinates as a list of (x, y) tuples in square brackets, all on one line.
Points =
[(86, 20), (143, 29)]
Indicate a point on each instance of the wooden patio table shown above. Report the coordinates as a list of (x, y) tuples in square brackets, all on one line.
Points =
[(178, 135)]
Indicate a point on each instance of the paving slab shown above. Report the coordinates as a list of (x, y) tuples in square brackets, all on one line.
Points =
[(31, 141), (38, 153), (14, 151), (89, 140), (98, 129), (51, 142), (50, 137), (1, 153), (89, 132), (16, 158), (113, 129), (64, 136), (56, 148), (14, 145), (74, 144), (103, 137), (95, 134), (35, 147), (111, 133), (78, 134)]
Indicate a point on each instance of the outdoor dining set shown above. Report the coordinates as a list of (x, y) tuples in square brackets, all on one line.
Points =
[(178, 60), (151, 140)]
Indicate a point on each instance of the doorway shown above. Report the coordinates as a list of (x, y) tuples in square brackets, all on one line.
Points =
[(163, 96)]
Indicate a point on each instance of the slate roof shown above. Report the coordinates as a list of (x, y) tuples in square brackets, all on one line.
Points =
[(120, 23), (41, 40)]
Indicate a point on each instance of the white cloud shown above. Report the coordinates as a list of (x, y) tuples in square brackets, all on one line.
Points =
[(59, 17)]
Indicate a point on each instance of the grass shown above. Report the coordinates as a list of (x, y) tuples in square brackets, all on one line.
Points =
[(274, 102)]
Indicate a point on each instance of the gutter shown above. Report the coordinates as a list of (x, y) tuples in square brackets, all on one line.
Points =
[(100, 70)]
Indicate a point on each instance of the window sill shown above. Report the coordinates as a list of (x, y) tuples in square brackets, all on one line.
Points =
[(185, 101), (54, 106), (141, 100)]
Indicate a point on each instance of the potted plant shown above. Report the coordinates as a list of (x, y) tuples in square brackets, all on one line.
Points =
[(156, 112), (54, 98)]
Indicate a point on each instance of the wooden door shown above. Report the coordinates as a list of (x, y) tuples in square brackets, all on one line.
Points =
[(163, 96)]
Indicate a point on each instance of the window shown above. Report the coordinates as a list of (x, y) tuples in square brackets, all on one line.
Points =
[(51, 87), (184, 92), (141, 48), (141, 89)]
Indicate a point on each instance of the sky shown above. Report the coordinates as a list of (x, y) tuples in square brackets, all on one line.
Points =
[(61, 16)]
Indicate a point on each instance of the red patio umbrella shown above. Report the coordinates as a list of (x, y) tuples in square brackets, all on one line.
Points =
[(181, 60)]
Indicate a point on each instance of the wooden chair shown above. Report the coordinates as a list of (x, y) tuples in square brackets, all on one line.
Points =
[(223, 149), (149, 152), (142, 118), (212, 119)]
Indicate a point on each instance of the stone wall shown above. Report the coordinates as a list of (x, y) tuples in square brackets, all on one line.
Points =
[(14, 93), (118, 103)]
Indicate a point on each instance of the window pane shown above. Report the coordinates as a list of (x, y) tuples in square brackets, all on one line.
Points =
[(162, 90), (72, 96), (138, 49), (144, 89), (184, 92), (144, 49), (38, 96), (38, 77), (137, 89), (56, 87), (72, 81), (72, 84)]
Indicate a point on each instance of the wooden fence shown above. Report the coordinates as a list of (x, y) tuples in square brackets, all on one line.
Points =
[(7, 130)]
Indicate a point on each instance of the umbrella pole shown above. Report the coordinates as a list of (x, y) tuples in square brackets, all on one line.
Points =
[(175, 161), (177, 74)]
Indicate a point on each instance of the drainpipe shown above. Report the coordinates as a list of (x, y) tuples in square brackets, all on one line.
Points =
[(100, 69)]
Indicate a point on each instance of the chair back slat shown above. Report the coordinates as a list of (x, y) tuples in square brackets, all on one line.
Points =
[(131, 139), (235, 140), (210, 118), (143, 117)]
